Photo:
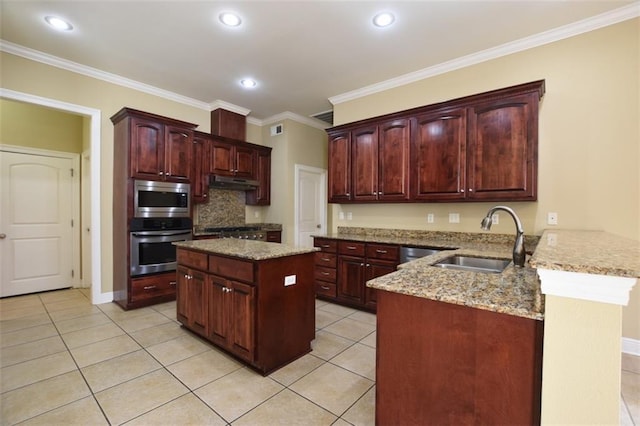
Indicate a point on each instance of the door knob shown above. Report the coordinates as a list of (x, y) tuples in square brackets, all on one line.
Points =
[(3, 236), (318, 226)]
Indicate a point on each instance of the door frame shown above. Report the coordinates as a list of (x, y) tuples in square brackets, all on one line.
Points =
[(75, 198), (97, 296), (323, 199)]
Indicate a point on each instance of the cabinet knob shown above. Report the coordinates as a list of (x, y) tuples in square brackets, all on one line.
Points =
[(462, 190), (160, 173), (470, 190), (204, 195)]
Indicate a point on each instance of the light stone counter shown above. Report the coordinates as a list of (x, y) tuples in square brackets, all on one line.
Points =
[(588, 252), (244, 249)]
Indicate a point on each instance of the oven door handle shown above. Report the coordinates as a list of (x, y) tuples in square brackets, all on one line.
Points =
[(159, 233)]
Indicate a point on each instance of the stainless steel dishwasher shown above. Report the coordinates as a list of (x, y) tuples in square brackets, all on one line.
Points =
[(408, 253)]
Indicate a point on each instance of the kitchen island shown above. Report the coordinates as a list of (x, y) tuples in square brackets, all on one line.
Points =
[(253, 299)]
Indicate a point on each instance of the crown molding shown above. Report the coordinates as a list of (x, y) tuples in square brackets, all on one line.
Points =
[(54, 61), (229, 107), (609, 18), (288, 115)]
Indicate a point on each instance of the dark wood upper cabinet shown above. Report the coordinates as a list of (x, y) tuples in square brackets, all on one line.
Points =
[(477, 148), (200, 166), (438, 147), (228, 124), (364, 163), (160, 151), (393, 160), (339, 175), (502, 149), (231, 159), (262, 195)]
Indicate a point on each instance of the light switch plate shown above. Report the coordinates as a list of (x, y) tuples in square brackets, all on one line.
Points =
[(454, 217), (430, 218), (341, 215)]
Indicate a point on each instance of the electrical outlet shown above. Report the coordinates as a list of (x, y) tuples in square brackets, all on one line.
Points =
[(349, 215), (430, 218), (256, 214), (341, 215), (289, 280), (495, 218), (552, 218), (454, 217)]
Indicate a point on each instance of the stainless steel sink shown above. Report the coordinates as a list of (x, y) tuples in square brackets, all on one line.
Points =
[(474, 264), (409, 253)]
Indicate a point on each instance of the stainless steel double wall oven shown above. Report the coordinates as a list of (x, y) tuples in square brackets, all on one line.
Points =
[(161, 217)]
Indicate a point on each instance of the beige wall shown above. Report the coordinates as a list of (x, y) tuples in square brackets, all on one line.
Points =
[(299, 144), (33, 126), (38, 79), (589, 145)]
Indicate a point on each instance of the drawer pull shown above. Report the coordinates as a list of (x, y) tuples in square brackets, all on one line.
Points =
[(324, 287), (351, 247), (326, 259), (381, 251), (324, 273), (150, 287), (325, 246), (172, 283)]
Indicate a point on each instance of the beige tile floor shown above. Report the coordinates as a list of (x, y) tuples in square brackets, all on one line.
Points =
[(65, 361)]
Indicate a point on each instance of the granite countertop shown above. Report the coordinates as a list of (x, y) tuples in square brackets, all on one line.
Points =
[(588, 252), (515, 291), (245, 249)]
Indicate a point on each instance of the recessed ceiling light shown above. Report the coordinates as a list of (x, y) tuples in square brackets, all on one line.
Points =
[(58, 23), (230, 19), (248, 83), (383, 19)]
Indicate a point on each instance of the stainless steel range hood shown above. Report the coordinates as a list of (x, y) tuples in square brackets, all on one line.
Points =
[(232, 183)]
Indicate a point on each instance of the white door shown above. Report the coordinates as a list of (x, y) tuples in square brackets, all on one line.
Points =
[(311, 204), (36, 249)]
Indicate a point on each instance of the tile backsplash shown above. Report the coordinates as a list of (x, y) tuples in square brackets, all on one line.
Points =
[(224, 208)]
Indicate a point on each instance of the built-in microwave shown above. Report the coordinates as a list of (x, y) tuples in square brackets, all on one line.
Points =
[(161, 199)]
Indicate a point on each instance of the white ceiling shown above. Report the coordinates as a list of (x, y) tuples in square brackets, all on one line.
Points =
[(302, 53)]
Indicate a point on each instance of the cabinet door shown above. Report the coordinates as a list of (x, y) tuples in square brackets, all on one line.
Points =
[(438, 146), (502, 149), (364, 163), (182, 295), (218, 310), (200, 168), (339, 167), (147, 149), (393, 160), (197, 304), (242, 319), (222, 158), (178, 148), (351, 274), (262, 195), (245, 162), (375, 269)]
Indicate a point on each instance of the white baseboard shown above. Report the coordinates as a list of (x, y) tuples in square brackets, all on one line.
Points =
[(631, 346), (102, 298)]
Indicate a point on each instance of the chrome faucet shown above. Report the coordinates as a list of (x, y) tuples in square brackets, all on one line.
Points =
[(519, 254)]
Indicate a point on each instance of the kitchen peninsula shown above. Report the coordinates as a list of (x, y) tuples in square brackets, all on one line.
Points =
[(251, 298)]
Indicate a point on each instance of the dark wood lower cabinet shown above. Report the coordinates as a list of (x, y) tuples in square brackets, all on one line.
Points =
[(244, 307), (445, 364)]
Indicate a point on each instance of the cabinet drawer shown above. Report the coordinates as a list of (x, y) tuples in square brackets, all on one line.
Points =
[(232, 268), (326, 289), (326, 260), (351, 249), (325, 245), (193, 259), (152, 286), (325, 274), (383, 251)]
